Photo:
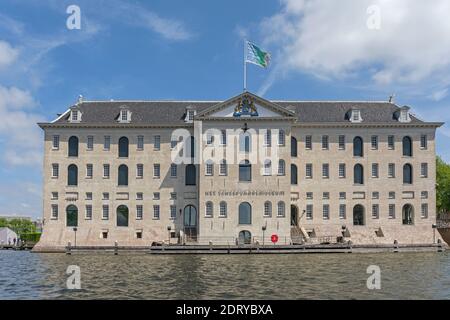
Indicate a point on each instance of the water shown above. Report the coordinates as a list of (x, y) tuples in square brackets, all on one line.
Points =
[(25, 275)]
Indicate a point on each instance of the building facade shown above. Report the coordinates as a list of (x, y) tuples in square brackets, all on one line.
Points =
[(236, 172)]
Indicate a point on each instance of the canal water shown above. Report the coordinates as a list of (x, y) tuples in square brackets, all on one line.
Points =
[(25, 275)]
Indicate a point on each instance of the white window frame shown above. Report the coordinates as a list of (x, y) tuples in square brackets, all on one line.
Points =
[(55, 142)]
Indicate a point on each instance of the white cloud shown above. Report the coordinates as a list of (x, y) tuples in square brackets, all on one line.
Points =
[(439, 94), (8, 54), (330, 39), (20, 137)]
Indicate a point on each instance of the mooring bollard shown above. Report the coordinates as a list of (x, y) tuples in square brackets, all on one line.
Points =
[(116, 248), (210, 245), (395, 246), (440, 245), (350, 246), (69, 248)]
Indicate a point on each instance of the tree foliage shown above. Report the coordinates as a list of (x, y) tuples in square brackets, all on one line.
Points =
[(19, 226), (442, 186)]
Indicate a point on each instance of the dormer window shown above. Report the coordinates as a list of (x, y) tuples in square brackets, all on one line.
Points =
[(355, 116), (190, 114), (124, 116), (75, 115), (404, 115)]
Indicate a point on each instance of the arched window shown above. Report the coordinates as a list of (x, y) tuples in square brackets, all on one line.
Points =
[(245, 213), (281, 209), (209, 209), (245, 171), (190, 216), (73, 147), (267, 209), (408, 214), (122, 216), (294, 152), (407, 174), (407, 147), (191, 175), (123, 147), (123, 175), (281, 168), (294, 175), (358, 147), (267, 168), (245, 142), (358, 174), (72, 175), (245, 237), (358, 215), (72, 216), (223, 209)]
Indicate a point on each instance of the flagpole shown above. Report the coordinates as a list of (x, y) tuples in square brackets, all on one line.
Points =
[(245, 66)]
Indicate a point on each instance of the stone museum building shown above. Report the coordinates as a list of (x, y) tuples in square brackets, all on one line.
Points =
[(237, 172)]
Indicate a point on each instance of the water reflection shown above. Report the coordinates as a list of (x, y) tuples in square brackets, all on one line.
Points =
[(336, 276)]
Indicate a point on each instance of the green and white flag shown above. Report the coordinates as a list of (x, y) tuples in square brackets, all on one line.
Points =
[(256, 56)]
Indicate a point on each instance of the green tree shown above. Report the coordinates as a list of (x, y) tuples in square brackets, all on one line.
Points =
[(442, 186), (21, 226), (3, 222)]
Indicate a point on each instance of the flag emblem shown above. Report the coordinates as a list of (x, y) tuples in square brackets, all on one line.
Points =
[(257, 56)]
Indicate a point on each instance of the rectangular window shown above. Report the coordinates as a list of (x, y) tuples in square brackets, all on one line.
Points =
[(173, 212), (105, 195), (89, 171), (326, 211), (124, 115), (392, 195), (374, 142), (140, 142), (424, 195), (191, 114), (424, 170), (54, 211), (156, 171), (54, 195), (342, 211), (88, 212), (173, 144), (139, 212), (106, 171), (375, 195), (88, 195), (375, 211), (309, 196), (139, 171), (325, 144), (90, 143), (139, 196), (423, 142), (309, 211), (392, 211), (391, 170), (55, 145), (209, 137), (325, 171), (424, 211), (342, 195), (375, 170), (156, 212), (326, 196), (55, 170), (173, 170), (209, 169), (223, 168), (105, 212), (281, 138), (309, 171), (391, 142), (173, 196), (107, 143), (342, 170), (268, 138), (157, 142), (308, 142), (156, 196), (341, 142), (223, 137)]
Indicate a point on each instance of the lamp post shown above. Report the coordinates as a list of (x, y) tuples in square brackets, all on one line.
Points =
[(434, 233), (75, 231), (263, 230), (168, 230)]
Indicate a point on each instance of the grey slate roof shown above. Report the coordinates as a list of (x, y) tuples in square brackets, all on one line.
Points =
[(173, 112)]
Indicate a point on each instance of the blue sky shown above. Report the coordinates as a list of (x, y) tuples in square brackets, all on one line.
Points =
[(321, 50)]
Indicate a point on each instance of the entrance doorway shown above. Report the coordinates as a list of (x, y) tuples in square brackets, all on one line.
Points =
[(294, 216), (190, 223), (245, 237)]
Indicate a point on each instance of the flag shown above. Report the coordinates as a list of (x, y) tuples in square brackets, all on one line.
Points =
[(256, 56)]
